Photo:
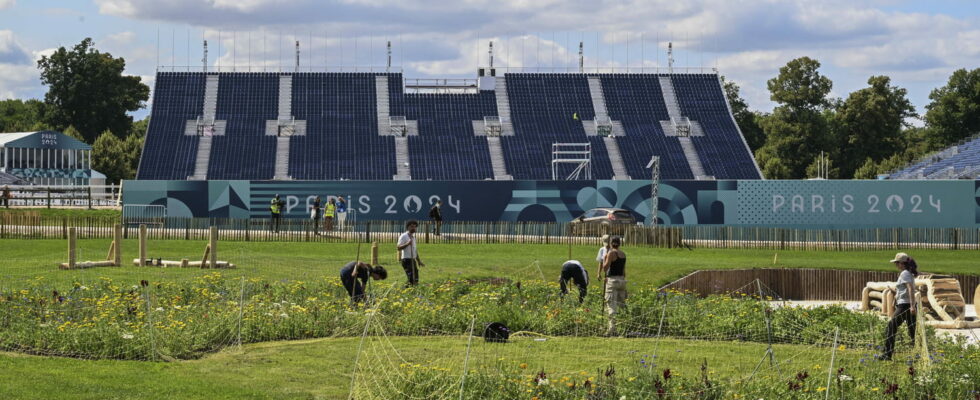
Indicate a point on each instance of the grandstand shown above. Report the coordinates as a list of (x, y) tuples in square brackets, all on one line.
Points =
[(961, 161), (369, 126)]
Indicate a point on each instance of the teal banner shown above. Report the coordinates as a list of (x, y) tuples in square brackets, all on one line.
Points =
[(790, 204)]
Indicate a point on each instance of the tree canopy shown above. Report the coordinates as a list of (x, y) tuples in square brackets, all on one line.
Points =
[(88, 90), (954, 113)]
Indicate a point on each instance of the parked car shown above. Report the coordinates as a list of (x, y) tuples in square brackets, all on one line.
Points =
[(598, 221)]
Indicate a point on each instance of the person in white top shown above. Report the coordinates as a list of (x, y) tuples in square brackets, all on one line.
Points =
[(408, 253), (602, 253), (904, 302)]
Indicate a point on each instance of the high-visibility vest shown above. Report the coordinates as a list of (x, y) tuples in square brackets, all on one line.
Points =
[(274, 206), (330, 210)]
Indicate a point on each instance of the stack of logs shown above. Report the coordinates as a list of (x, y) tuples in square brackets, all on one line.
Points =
[(940, 298)]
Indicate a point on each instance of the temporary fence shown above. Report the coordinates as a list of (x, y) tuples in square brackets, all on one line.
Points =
[(303, 230), (60, 196)]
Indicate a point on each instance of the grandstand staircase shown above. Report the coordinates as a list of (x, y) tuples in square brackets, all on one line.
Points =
[(403, 172), (602, 116), (284, 127), (497, 159), (383, 106), (205, 128), (682, 127), (503, 106), (692, 158)]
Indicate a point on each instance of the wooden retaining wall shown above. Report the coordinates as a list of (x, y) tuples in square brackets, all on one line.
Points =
[(796, 283)]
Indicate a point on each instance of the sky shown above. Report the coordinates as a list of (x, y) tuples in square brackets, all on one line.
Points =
[(917, 43)]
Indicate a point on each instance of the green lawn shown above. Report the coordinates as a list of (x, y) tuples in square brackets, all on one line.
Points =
[(321, 368), (24, 259), (61, 212)]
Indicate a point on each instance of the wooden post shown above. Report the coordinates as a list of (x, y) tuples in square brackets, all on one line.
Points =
[(117, 244), (142, 238), (374, 253), (89, 196), (72, 241), (213, 244), (49, 197)]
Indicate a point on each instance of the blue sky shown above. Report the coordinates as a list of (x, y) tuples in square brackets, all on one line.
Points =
[(917, 43)]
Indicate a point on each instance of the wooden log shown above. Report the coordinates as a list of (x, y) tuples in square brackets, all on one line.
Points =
[(117, 244), (213, 244), (207, 252), (874, 294), (72, 242), (88, 264), (976, 301), (142, 240), (183, 263), (374, 253)]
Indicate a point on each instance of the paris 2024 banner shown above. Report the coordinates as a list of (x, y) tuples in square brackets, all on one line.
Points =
[(797, 204)]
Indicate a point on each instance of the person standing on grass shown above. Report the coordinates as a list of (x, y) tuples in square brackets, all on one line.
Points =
[(435, 213), (614, 268), (6, 196), (355, 275), (328, 213), (573, 270), (275, 207), (905, 305), (409, 253), (315, 216), (341, 212)]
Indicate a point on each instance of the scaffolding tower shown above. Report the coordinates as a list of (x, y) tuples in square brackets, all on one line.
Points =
[(577, 155)]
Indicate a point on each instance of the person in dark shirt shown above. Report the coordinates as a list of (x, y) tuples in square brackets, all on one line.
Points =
[(614, 268), (315, 215), (573, 270), (354, 275), (435, 213)]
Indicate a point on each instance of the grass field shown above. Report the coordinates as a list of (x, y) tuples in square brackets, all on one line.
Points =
[(38, 258), (321, 368), (60, 212)]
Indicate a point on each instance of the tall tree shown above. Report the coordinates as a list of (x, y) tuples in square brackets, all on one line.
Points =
[(87, 89), (954, 112), (797, 130), (748, 121), (870, 123)]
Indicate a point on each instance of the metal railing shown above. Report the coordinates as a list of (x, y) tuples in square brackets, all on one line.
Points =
[(61, 196)]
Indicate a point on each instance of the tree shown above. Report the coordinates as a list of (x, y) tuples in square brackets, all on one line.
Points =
[(20, 115), (70, 131), (110, 156), (87, 89), (797, 130), (748, 121), (869, 124), (954, 112)]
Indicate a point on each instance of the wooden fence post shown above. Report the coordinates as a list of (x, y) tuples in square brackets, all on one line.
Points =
[(213, 243), (142, 240), (72, 242)]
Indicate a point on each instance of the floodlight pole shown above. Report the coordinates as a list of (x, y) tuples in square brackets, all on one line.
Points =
[(388, 67), (670, 57), (297, 56), (491, 55), (205, 59), (654, 189), (581, 57)]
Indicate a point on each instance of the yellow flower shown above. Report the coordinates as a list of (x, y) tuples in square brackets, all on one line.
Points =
[(523, 366), (821, 389)]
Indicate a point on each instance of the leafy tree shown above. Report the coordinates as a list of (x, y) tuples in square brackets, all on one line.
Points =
[(869, 124), (797, 130), (20, 115), (87, 89), (72, 132), (110, 156), (871, 169), (748, 121), (954, 112), (139, 127)]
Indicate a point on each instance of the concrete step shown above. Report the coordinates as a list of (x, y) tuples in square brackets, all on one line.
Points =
[(497, 160), (693, 160), (403, 171), (202, 159), (615, 158), (282, 158)]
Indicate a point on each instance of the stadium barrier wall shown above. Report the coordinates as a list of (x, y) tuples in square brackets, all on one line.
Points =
[(16, 226), (815, 204), (794, 283)]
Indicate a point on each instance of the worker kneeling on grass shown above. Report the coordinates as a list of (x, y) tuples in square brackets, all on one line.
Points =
[(573, 271), (355, 275)]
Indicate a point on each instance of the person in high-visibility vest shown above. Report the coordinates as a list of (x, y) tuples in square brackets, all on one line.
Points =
[(275, 207), (328, 213)]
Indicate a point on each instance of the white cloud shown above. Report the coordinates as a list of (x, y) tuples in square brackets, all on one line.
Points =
[(121, 38), (5, 4)]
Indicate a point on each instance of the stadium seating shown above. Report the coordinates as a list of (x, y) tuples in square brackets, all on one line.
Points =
[(961, 161), (542, 108), (342, 138), (246, 101), (168, 153), (446, 147), (723, 152)]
